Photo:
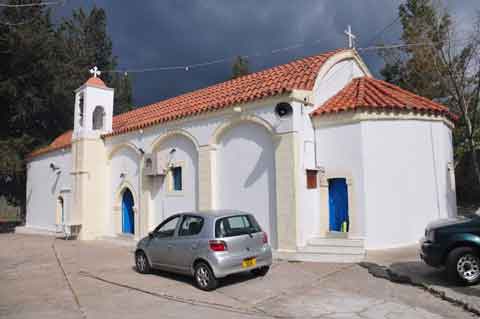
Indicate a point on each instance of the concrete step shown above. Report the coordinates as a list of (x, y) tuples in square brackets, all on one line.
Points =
[(301, 255), (343, 250), (341, 242), (126, 241)]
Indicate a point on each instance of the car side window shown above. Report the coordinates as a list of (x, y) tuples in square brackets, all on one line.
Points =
[(191, 225), (168, 228)]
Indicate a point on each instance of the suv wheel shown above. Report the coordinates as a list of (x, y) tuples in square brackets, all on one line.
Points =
[(204, 277), (141, 263), (463, 265)]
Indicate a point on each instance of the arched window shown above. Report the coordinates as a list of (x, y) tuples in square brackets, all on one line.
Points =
[(98, 115)]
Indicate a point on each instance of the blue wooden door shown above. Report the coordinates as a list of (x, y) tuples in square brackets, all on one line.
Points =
[(338, 203), (128, 225)]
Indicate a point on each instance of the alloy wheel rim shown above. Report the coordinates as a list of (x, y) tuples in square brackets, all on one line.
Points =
[(141, 262), (202, 276), (468, 267)]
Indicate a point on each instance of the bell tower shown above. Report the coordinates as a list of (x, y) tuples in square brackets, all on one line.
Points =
[(93, 108), (93, 118)]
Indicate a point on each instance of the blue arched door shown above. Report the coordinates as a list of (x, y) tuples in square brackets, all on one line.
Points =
[(338, 204), (128, 221)]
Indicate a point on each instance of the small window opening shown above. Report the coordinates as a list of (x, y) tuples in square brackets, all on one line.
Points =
[(177, 178), (80, 108), (98, 115)]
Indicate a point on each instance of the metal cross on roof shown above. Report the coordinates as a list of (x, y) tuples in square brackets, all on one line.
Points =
[(95, 71), (351, 37)]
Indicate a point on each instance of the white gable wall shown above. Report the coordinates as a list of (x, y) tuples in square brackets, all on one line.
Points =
[(44, 186), (406, 187), (329, 82)]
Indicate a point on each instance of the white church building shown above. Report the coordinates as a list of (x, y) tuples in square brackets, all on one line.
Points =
[(330, 160)]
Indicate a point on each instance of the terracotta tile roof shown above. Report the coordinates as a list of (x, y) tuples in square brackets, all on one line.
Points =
[(298, 74), (371, 94), (95, 81), (60, 142)]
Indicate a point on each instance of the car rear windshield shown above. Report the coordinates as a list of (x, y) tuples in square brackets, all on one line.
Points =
[(236, 225)]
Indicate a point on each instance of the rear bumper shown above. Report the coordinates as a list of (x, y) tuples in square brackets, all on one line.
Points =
[(226, 264), (431, 253)]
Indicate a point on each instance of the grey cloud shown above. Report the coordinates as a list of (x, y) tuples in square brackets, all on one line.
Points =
[(170, 32)]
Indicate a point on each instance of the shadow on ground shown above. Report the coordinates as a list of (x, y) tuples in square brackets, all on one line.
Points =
[(421, 273), (417, 273), (231, 280)]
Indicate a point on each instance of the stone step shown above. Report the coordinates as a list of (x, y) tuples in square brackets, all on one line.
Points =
[(341, 242), (300, 255), (125, 241), (333, 249)]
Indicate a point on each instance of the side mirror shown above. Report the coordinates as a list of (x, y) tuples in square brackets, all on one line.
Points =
[(150, 234)]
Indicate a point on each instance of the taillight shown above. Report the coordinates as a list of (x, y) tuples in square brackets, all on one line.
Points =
[(265, 238), (218, 245)]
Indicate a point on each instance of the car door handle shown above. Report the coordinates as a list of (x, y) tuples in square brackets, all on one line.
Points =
[(170, 246)]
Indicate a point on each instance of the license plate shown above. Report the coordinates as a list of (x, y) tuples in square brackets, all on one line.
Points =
[(250, 262)]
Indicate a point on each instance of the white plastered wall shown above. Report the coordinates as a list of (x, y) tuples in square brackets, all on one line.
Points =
[(246, 173), (340, 153), (406, 184), (336, 73), (167, 202), (186, 136), (124, 166), (45, 185)]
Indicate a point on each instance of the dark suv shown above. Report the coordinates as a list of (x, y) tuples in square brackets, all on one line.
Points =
[(454, 243)]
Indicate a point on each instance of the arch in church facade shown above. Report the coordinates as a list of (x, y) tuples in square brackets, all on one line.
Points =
[(224, 127), (245, 170), (172, 133), (121, 210)]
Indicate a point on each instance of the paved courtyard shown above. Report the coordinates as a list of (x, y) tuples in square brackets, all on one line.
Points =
[(43, 277)]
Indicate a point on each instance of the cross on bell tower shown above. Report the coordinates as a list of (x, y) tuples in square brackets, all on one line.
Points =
[(95, 71), (351, 37)]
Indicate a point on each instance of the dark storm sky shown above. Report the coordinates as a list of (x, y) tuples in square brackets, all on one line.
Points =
[(153, 33)]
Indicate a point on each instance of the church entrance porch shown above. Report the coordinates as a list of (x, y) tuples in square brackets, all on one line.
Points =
[(128, 216)]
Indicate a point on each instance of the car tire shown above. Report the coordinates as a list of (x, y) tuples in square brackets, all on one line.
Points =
[(262, 271), (463, 266), (141, 263), (204, 277)]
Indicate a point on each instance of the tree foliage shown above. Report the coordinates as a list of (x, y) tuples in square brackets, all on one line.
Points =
[(41, 64), (436, 63), (239, 67)]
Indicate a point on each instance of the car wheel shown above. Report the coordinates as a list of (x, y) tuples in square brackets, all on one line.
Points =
[(141, 263), (463, 265), (262, 271), (204, 277)]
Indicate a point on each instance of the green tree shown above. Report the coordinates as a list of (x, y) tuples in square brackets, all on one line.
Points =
[(438, 64), (239, 67), (40, 66)]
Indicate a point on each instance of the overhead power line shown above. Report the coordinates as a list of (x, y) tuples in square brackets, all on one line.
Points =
[(188, 67), (382, 31), (38, 4)]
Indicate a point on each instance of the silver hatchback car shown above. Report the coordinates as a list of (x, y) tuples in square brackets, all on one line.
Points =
[(206, 245)]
